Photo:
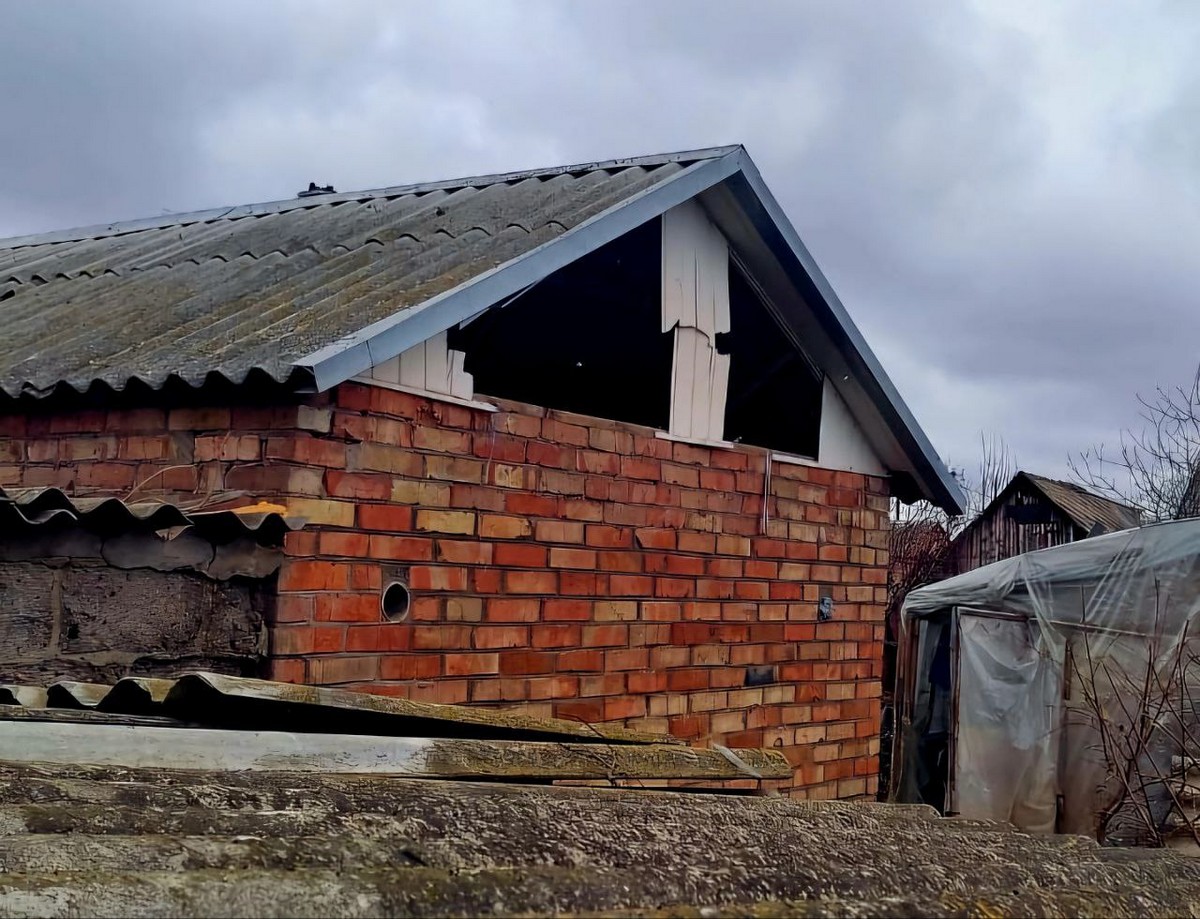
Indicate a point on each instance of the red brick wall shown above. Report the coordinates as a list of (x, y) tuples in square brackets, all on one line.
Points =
[(576, 567)]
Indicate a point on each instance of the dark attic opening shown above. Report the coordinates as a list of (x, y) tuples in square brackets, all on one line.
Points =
[(774, 395), (588, 338)]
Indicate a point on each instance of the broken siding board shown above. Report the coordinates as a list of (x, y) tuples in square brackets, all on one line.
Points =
[(429, 367), (135, 747), (695, 303)]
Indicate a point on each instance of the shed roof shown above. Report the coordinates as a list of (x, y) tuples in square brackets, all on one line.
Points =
[(1087, 510), (311, 291)]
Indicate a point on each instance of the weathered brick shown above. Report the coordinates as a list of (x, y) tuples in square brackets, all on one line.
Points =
[(438, 521), (494, 526)]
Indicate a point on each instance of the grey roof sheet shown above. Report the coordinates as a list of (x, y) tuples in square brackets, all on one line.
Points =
[(253, 288), (1086, 508), (22, 508)]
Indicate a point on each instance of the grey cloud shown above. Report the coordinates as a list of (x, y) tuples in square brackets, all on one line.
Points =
[(1005, 206)]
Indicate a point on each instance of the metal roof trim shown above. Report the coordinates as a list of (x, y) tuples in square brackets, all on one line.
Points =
[(233, 212), (945, 491)]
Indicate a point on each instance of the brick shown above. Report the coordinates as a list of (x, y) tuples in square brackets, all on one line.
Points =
[(286, 671), (198, 419), (343, 607), (595, 636), (438, 521), (526, 663), (572, 558), (512, 609), (314, 575), (555, 456), (389, 637), (492, 526), (401, 548), (531, 505), (323, 670), (615, 610), (624, 707), (360, 485), (634, 467), (385, 517), (531, 582), (558, 635), (561, 432), (385, 458), (609, 537), (228, 446), (598, 463), (520, 555), (322, 512), (655, 539), (441, 637), (464, 553), (501, 636), (558, 531), (464, 609), (559, 686), (454, 469), (315, 419), (344, 544), (704, 543), (630, 585), (432, 577), (120, 476), (461, 664), (410, 667), (567, 610), (428, 494)]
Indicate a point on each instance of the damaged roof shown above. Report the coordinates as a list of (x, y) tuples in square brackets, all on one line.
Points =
[(162, 818), (312, 291), (1087, 510), (48, 508)]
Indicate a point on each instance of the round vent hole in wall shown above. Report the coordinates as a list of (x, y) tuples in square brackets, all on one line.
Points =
[(395, 601)]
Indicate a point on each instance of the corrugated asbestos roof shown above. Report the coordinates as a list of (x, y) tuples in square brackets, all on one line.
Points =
[(1086, 509), (102, 825), (256, 288), (22, 508), (314, 291)]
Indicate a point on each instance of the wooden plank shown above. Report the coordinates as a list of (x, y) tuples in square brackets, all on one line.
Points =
[(231, 701), (134, 747)]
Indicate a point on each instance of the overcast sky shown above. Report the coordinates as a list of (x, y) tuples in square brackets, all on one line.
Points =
[(1004, 194)]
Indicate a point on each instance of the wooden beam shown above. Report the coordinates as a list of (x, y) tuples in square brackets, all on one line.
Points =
[(128, 746)]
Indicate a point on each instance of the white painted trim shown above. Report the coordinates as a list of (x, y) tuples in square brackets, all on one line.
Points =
[(698, 441), (794, 459), (426, 393)]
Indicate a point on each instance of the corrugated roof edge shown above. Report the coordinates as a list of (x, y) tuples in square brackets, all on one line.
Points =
[(117, 228), (357, 353)]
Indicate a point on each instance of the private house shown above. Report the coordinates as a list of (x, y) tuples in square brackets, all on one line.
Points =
[(599, 442)]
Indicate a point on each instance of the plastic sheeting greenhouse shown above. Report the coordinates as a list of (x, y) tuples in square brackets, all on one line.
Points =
[(1054, 689)]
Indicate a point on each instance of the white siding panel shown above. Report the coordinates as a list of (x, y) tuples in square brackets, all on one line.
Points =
[(843, 443)]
